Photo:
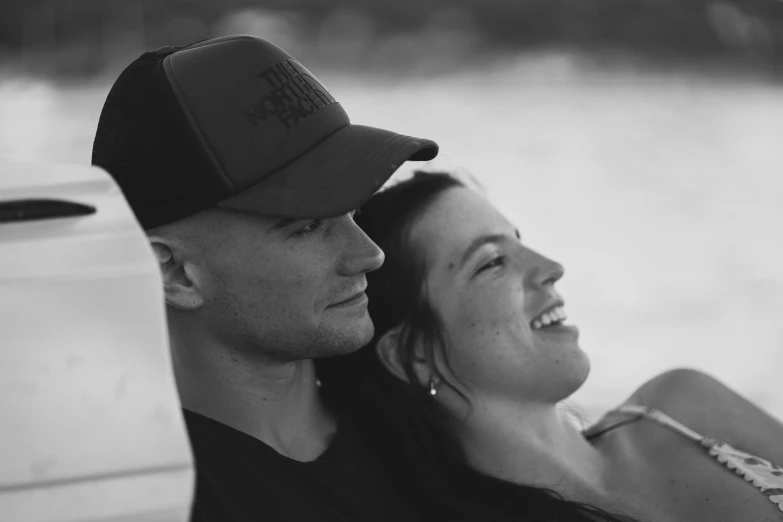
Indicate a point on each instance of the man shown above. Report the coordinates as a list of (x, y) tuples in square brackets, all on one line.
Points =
[(245, 172)]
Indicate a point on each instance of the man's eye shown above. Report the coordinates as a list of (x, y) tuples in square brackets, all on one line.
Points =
[(309, 228), (498, 261)]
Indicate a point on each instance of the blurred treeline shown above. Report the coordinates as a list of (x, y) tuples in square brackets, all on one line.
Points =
[(88, 37)]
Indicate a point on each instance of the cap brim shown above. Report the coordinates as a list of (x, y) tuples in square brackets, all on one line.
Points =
[(334, 177)]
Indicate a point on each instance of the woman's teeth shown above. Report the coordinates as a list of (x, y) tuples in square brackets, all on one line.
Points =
[(554, 316)]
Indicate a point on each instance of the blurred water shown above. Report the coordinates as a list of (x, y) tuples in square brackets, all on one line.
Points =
[(658, 192)]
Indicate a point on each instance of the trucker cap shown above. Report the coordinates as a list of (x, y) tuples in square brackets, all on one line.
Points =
[(236, 122)]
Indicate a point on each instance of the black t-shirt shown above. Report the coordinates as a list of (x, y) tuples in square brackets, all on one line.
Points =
[(241, 479)]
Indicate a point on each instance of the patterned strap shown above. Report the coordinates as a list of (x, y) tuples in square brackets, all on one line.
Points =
[(661, 418), (762, 474)]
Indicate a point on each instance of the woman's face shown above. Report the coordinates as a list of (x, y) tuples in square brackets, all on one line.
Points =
[(496, 297)]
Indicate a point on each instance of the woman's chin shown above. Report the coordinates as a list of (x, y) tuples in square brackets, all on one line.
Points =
[(573, 370)]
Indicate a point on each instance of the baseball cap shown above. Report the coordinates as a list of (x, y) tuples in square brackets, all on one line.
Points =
[(238, 123)]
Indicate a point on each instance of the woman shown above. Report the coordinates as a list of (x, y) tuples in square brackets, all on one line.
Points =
[(459, 390)]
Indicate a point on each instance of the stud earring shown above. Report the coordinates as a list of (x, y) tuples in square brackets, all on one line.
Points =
[(433, 386)]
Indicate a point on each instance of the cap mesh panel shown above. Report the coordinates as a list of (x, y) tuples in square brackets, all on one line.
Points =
[(145, 142)]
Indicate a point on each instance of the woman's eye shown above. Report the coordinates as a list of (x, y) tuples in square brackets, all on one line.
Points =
[(309, 228), (498, 261)]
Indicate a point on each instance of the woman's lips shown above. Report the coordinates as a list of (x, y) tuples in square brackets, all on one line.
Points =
[(559, 329)]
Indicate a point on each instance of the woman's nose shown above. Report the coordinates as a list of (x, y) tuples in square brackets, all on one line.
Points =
[(545, 271)]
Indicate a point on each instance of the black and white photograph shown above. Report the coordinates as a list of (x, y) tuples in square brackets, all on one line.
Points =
[(375, 261)]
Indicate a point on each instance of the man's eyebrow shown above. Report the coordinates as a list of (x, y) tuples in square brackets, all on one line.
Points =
[(478, 243), (283, 223)]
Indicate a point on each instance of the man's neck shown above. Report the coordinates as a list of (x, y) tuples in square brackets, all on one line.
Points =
[(533, 444), (279, 404)]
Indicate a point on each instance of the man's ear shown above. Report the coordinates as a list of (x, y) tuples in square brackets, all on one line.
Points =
[(390, 351), (180, 278)]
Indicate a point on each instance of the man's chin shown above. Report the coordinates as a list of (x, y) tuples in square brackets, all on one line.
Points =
[(348, 339), (358, 339)]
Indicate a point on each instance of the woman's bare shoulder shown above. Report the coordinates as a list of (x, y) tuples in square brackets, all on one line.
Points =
[(711, 408)]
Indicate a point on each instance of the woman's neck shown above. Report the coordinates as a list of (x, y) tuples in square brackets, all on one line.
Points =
[(535, 445)]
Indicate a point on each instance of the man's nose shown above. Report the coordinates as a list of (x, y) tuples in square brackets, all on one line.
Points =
[(361, 254)]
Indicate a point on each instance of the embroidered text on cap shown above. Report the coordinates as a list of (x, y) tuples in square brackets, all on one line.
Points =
[(291, 93)]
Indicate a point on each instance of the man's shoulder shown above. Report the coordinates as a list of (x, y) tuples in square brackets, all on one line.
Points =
[(223, 453), (204, 430), (240, 479)]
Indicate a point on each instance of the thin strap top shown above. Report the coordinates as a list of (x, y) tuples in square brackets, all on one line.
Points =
[(764, 475)]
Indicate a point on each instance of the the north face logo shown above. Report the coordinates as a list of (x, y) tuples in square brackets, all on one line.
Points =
[(292, 94)]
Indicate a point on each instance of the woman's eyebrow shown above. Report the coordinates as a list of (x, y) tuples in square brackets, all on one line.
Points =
[(478, 243)]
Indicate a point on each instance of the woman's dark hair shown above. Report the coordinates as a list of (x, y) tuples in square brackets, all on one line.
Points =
[(410, 432)]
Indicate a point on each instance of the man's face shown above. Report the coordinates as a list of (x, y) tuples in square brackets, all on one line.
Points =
[(286, 290)]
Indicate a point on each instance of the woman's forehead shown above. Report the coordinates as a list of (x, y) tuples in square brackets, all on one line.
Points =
[(452, 222)]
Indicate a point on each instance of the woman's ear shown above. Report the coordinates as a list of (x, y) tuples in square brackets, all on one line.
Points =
[(391, 352), (180, 286)]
